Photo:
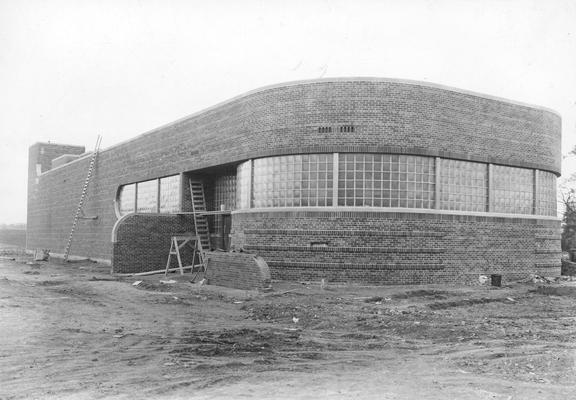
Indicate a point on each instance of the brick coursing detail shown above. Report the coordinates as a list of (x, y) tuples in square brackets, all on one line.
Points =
[(340, 249), (446, 248), (340, 232)]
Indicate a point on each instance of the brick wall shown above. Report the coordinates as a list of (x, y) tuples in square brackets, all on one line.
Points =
[(142, 242), (44, 197), (388, 116), (237, 270), (398, 248), (51, 213)]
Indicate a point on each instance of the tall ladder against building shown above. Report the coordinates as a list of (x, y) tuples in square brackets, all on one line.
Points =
[(200, 220), (82, 196)]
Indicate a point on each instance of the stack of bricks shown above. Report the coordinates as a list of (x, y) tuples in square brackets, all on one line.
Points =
[(237, 270)]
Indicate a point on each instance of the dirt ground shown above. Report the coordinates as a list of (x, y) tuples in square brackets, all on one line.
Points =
[(76, 332)]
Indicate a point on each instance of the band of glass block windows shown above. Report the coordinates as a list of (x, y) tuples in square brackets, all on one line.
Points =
[(513, 190), (243, 184), (153, 196), (463, 186), (225, 192), (546, 194), (224, 198), (386, 180), (362, 180), (293, 181)]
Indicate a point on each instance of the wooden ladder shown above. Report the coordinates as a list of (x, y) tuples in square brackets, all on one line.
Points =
[(200, 220), (82, 197)]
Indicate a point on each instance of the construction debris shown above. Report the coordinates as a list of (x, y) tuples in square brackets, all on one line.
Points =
[(540, 279), (41, 254)]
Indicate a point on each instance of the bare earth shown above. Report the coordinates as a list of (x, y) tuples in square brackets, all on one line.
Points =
[(75, 332)]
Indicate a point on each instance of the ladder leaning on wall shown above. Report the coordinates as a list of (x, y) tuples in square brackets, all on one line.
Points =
[(82, 196), (200, 221)]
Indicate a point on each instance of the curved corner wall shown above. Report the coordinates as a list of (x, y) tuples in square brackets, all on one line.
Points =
[(385, 116), (141, 242), (401, 183)]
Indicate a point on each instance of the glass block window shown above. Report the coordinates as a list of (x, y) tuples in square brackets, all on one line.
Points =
[(224, 199), (463, 185), (243, 183), (127, 199), (169, 194), (384, 180), (147, 197), (225, 192), (293, 181), (513, 190), (546, 204)]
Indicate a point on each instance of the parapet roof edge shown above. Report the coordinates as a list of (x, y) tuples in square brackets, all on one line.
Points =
[(392, 80), (337, 79), (58, 144), (312, 81)]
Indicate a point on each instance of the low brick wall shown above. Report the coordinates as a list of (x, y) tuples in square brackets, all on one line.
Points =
[(398, 248), (142, 241), (237, 270)]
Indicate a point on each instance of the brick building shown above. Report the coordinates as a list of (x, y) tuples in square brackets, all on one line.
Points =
[(363, 179)]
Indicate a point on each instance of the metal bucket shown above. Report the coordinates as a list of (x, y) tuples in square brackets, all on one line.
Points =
[(496, 280)]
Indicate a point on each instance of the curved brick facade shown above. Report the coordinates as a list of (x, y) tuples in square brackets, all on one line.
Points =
[(396, 248), (389, 116)]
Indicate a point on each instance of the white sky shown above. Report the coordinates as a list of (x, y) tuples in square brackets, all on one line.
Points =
[(70, 70)]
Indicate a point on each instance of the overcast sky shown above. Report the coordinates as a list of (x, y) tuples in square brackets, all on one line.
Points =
[(70, 70)]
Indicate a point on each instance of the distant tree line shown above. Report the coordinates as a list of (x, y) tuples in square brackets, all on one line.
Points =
[(567, 197), (13, 226)]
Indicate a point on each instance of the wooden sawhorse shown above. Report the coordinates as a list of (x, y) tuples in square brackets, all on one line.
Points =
[(176, 244)]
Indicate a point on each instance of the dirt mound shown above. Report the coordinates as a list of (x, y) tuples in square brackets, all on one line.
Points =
[(238, 342), (569, 291), (301, 314), (464, 303)]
